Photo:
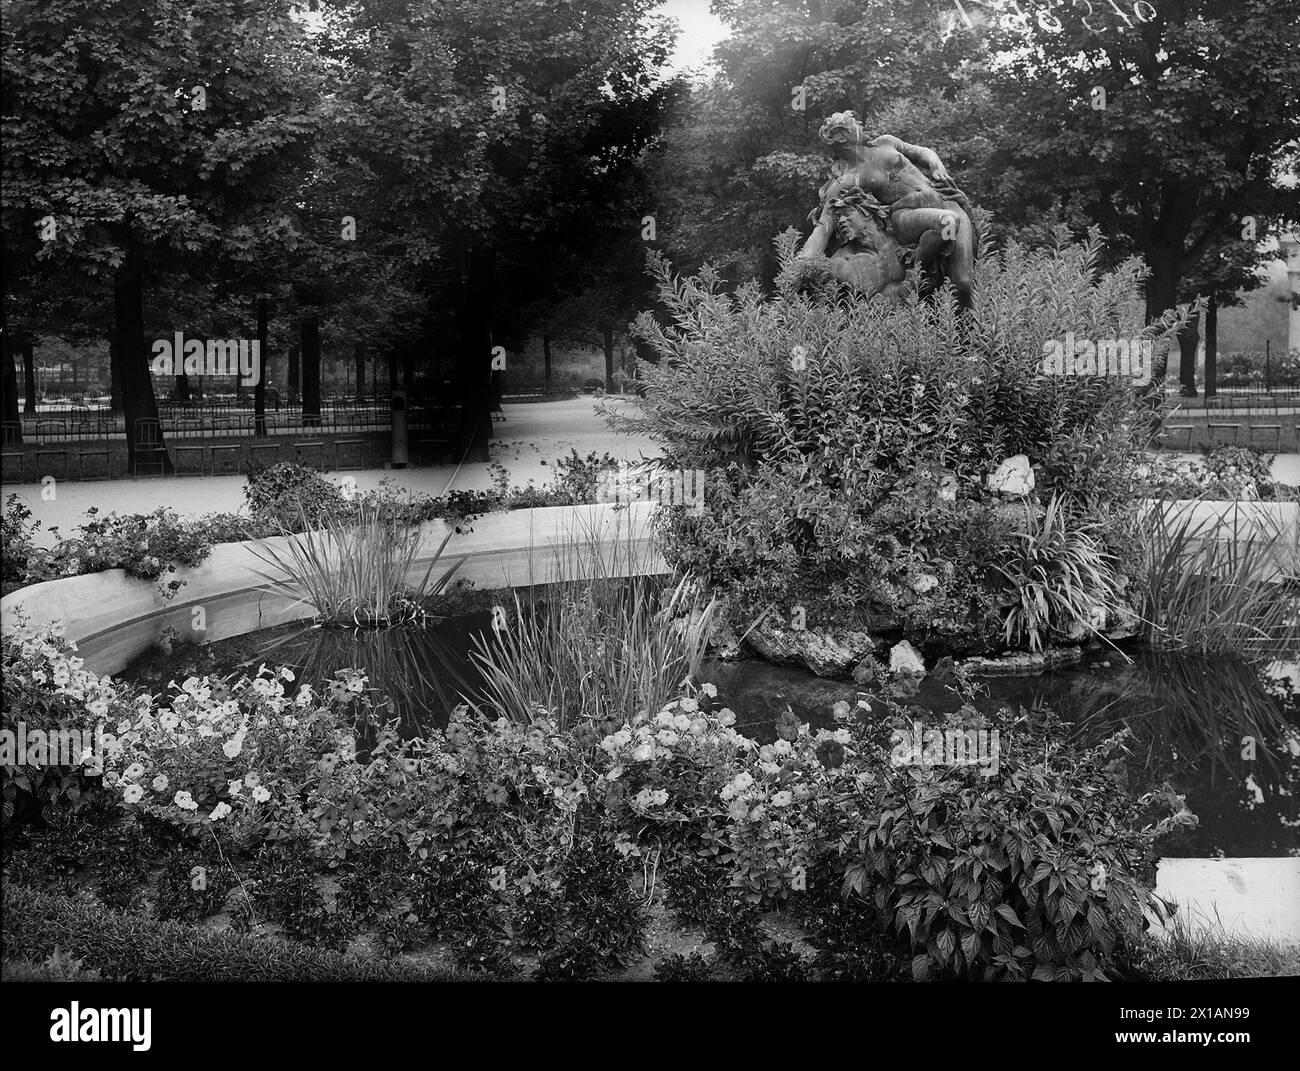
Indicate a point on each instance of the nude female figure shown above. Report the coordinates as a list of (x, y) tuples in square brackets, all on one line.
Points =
[(926, 210)]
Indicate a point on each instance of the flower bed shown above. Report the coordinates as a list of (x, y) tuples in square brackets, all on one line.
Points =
[(523, 848)]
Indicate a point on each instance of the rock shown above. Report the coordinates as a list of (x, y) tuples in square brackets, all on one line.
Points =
[(827, 652), (1013, 477), (1023, 663), (865, 671), (1123, 624), (1089, 626), (906, 661), (923, 582)]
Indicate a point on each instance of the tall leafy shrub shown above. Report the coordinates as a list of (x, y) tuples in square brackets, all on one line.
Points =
[(837, 434)]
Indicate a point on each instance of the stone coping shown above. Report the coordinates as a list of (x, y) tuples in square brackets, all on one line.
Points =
[(113, 618)]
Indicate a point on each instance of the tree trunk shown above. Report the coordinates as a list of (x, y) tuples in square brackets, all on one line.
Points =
[(114, 375), (310, 371), (1212, 347), (259, 388), (408, 368), (546, 357), (29, 376), (292, 385), (10, 387), (138, 401), (181, 392), (607, 344), (1188, 338), (359, 361), (392, 369)]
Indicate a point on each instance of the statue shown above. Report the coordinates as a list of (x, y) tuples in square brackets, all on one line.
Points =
[(889, 203)]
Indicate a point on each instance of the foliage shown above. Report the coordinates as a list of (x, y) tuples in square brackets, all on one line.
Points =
[(290, 494), (1223, 472), (356, 569), (47, 690), (1035, 871), (134, 948), (1221, 584), (530, 836), (594, 645), (846, 445), (693, 967), (15, 539), (1060, 575)]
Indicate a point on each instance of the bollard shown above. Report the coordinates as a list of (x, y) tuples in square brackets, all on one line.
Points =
[(401, 453)]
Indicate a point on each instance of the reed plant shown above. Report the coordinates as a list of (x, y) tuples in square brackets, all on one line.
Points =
[(606, 640), (354, 569), (1224, 584)]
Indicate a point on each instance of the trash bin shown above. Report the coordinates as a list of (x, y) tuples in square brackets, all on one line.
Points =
[(401, 440)]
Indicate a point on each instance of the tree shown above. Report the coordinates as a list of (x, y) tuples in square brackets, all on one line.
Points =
[(744, 161), (148, 139), (497, 125), (1170, 125)]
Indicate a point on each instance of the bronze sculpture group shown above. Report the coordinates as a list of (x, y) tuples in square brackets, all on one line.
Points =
[(890, 204)]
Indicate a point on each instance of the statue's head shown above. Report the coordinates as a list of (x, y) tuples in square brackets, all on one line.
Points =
[(858, 215), (842, 129)]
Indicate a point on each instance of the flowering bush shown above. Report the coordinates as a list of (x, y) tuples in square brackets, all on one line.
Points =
[(145, 545), (49, 691), (497, 836), (235, 754), (1227, 472), (836, 437)]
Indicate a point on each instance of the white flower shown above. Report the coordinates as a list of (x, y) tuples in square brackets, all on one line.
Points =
[(185, 801), (644, 752), (236, 787), (782, 799), (286, 674), (159, 783), (98, 707), (219, 811), (132, 772), (689, 705), (614, 773), (133, 794), (710, 690), (261, 793), (782, 747), (252, 779), (726, 717), (123, 727), (232, 747), (667, 737)]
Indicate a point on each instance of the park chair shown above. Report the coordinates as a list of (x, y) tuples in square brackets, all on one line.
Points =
[(225, 459), (11, 450), (358, 444), (263, 453), (90, 440), (1274, 429), (149, 446), (183, 452), (51, 441), (311, 452), (1224, 425)]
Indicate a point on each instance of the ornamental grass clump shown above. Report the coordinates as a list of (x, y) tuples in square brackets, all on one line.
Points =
[(355, 569)]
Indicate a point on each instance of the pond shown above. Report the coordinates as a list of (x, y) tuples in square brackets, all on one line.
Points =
[(1195, 722)]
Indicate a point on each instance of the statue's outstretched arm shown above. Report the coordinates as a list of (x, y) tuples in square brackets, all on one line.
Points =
[(919, 155)]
